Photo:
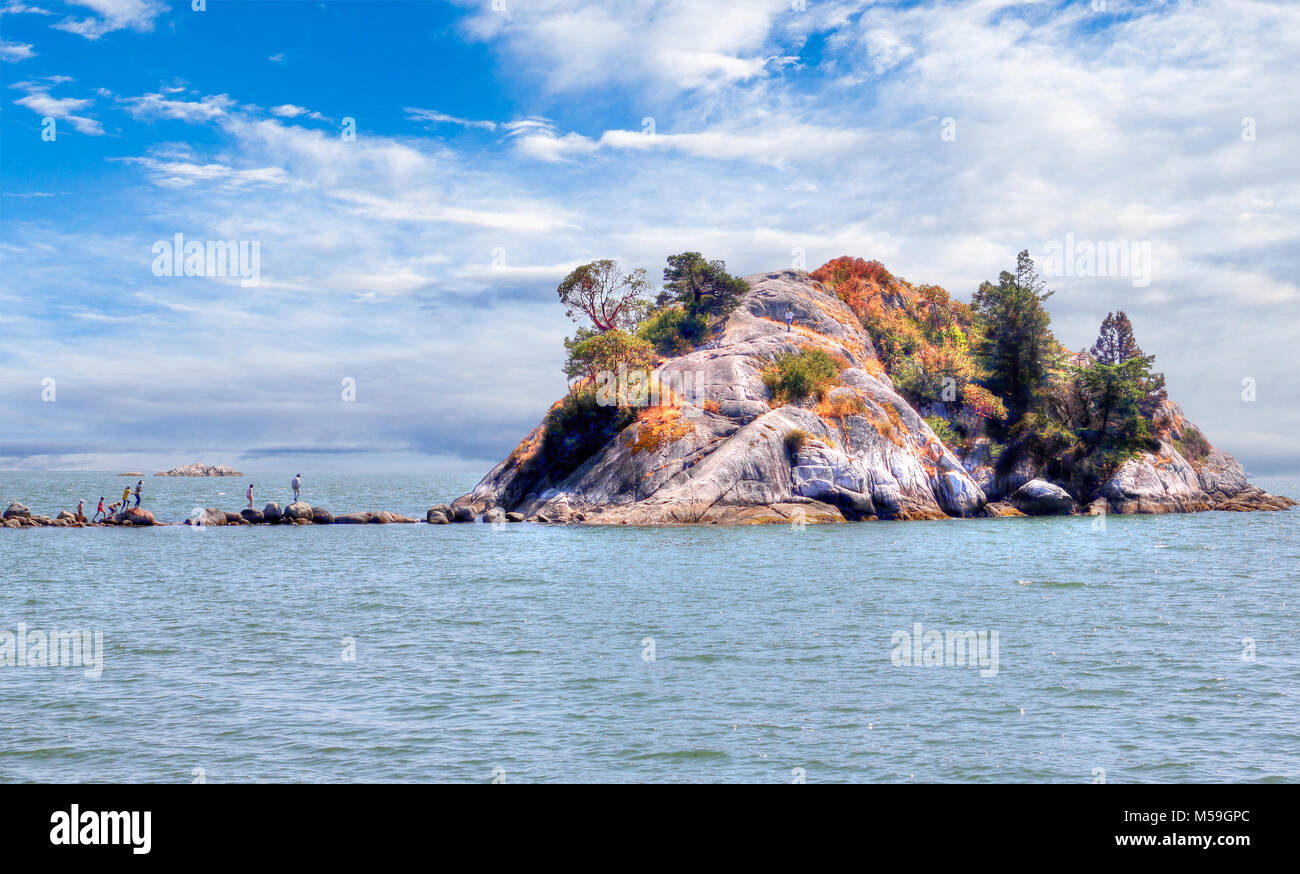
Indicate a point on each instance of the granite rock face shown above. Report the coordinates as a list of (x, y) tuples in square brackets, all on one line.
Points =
[(721, 450), (718, 451), (1164, 481)]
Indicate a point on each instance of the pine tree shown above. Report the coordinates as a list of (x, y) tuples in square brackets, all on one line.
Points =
[(1016, 345), (1115, 343)]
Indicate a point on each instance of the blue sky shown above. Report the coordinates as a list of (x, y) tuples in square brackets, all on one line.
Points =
[(496, 148)]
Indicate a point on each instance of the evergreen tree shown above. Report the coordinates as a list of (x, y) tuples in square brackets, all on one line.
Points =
[(1116, 344), (1015, 346), (702, 287)]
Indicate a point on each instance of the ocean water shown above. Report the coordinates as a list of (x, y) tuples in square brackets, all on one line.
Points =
[(699, 654)]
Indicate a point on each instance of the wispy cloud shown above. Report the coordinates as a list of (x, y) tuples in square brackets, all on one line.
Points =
[(433, 118), (112, 15), (40, 101), (13, 52)]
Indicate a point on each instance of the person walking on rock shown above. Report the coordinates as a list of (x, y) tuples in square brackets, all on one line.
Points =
[(250, 496), (296, 485), (99, 511), (138, 486), (789, 319)]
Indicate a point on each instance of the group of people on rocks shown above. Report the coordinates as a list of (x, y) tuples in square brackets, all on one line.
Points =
[(103, 513), (296, 485)]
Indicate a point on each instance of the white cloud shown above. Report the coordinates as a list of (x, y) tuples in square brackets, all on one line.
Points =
[(675, 44), (432, 117), (113, 15), (39, 101), (15, 51), (15, 7)]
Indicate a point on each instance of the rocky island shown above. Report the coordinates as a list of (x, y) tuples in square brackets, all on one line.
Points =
[(199, 469), (848, 394)]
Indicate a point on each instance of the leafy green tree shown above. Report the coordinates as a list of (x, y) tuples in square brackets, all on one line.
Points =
[(604, 294), (702, 287), (592, 352), (1014, 341)]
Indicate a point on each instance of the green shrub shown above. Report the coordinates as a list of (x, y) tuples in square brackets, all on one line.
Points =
[(796, 376), (1193, 446), (673, 331), (577, 427), (943, 430)]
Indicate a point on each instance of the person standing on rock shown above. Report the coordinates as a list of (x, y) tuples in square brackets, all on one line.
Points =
[(250, 496), (296, 485), (139, 484), (789, 319), (99, 511), (81, 510), (126, 497)]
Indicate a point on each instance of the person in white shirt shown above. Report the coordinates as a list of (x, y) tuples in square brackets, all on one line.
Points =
[(250, 496), (296, 485), (789, 319)]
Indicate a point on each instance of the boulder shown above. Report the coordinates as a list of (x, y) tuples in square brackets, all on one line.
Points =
[(17, 510), (1041, 498), (209, 516), (298, 510), (14, 523), (235, 519), (352, 518), (514, 517), (495, 516), (271, 513), (463, 514), (321, 516), (438, 514), (137, 516), (254, 517), (66, 516), (999, 509)]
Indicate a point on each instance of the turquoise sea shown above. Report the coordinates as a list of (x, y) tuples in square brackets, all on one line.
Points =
[(1157, 649)]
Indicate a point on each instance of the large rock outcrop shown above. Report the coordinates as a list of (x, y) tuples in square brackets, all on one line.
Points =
[(718, 448), (717, 451), (1167, 481)]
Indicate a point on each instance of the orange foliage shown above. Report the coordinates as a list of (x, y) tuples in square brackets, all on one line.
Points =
[(658, 426)]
